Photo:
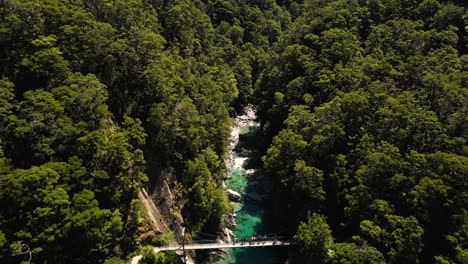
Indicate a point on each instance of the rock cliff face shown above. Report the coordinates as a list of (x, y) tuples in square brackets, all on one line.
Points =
[(163, 206), (163, 193), (153, 213)]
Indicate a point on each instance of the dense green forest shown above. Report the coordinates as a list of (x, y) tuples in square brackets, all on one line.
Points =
[(88, 88), (367, 103), (363, 106)]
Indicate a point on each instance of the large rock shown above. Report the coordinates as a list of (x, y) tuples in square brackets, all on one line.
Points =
[(250, 172), (227, 235), (234, 196), (230, 221)]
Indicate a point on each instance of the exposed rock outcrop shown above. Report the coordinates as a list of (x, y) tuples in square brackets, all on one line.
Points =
[(230, 221), (164, 207), (234, 196)]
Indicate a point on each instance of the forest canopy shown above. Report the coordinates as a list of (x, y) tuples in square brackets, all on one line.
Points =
[(366, 105), (363, 107), (90, 89)]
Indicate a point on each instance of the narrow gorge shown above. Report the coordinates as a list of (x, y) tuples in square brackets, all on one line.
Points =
[(249, 190)]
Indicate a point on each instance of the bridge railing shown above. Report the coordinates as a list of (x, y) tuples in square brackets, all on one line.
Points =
[(203, 241), (235, 240)]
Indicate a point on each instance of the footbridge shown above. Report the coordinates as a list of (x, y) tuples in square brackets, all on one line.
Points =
[(213, 244), (216, 245)]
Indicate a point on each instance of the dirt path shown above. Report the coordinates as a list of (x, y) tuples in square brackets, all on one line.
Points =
[(153, 211)]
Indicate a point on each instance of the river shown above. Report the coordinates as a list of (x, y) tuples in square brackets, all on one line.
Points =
[(248, 179)]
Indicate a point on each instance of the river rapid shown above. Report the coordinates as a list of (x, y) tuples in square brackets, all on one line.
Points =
[(247, 178)]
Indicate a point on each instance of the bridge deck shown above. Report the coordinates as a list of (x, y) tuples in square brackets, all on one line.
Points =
[(266, 243), (192, 246)]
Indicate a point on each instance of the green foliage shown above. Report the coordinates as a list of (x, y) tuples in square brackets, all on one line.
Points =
[(83, 98), (52, 217), (362, 102), (90, 88), (206, 200), (350, 253), (39, 128), (114, 260), (151, 257), (315, 240), (87, 86), (163, 239), (148, 256), (6, 101), (400, 239)]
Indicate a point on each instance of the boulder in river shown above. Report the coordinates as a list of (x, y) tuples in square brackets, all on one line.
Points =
[(250, 172), (234, 196)]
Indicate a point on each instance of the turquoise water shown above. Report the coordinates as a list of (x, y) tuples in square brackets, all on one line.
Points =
[(250, 214), (238, 182)]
